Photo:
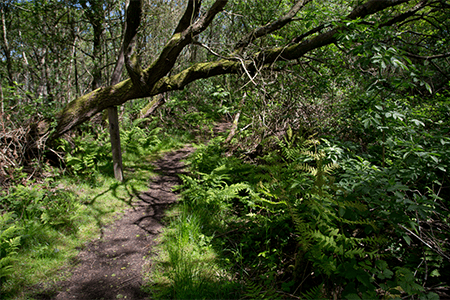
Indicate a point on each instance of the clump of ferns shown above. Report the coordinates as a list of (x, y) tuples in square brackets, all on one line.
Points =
[(326, 239)]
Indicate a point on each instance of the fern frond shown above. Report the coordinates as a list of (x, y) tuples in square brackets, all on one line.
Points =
[(307, 168), (329, 168), (358, 251), (314, 293), (302, 229), (376, 241), (355, 204), (238, 187), (255, 291), (314, 155)]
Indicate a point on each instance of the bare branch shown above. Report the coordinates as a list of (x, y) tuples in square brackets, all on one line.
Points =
[(205, 20), (271, 27), (373, 6), (430, 57), (405, 15), (209, 49), (298, 50), (435, 249), (299, 38)]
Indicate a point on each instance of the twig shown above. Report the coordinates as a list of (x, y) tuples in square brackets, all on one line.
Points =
[(290, 295), (252, 79), (210, 50), (123, 283), (438, 251)]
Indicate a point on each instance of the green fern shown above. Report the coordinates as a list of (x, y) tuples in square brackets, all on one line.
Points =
[(9, 244), (319, 216), (302, 229), (258, 291), (314, 293)]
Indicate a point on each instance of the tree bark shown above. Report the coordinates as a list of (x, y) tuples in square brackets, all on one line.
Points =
[(273, 26), (6, 49), (94, 13), (114, 135), (152, 106)]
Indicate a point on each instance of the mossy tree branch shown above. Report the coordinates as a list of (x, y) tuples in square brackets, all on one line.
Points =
[(157, 81)]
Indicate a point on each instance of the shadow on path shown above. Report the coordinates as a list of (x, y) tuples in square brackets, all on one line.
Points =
[(110, 268)]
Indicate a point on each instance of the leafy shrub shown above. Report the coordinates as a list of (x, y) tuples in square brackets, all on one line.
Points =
[(299, 220), (40, 202), (139, 140), (87, 154)]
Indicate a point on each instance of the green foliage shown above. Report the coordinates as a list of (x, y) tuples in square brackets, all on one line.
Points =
[(87, 154), (45, 220), (332, 230), (140, 139), (361, 213), (32, 216), (324, 232), (60, 209), (188, 262), (257, 291), (39, 108), (400, 177), (314, 293), (195, 110), (41, 202), (185, 246), (9, 244)]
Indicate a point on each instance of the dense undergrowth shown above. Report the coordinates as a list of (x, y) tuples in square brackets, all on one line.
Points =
[(356, 208), (317, 216)]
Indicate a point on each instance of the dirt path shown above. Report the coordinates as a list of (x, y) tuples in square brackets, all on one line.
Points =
[(110, 268)]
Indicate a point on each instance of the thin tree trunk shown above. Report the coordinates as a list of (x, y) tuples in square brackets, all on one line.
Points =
[(97, 72), (114, 129), (113, 117), (114, 135), (26, 67), (6, 49), (2, 104), (77, 86)]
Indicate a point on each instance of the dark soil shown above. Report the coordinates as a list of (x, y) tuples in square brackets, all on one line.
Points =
[(111, 267)]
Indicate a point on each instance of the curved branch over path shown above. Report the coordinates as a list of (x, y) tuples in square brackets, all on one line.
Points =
[(155, 78)]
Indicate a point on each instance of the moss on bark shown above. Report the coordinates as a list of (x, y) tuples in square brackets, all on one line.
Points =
[(84, 107)]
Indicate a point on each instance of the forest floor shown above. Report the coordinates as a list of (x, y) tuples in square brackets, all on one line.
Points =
[(111, 267)]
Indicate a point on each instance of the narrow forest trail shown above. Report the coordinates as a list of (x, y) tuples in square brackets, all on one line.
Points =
[(111, 267)]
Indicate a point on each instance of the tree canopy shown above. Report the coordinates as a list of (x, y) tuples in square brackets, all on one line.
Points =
[(243, 38)]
